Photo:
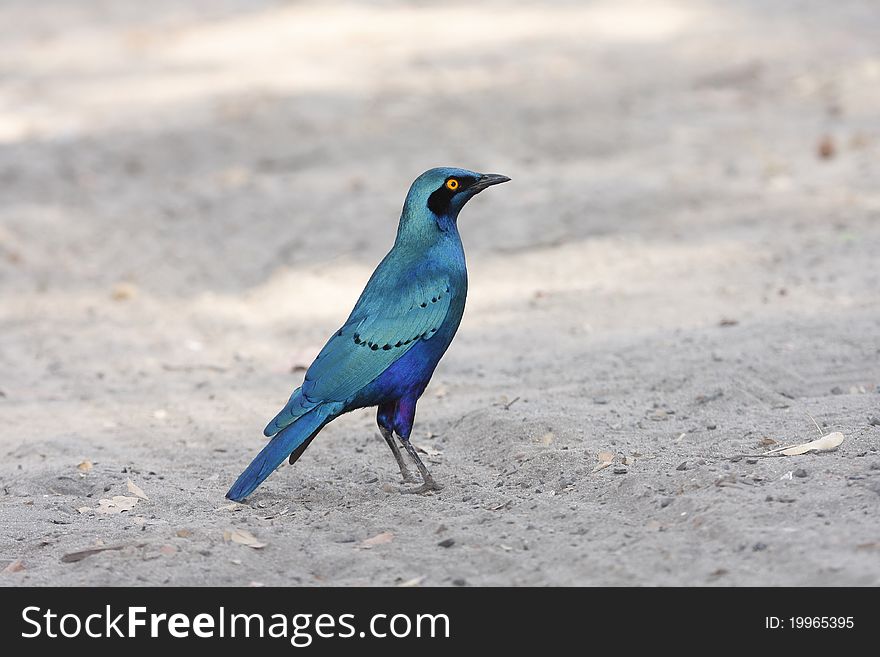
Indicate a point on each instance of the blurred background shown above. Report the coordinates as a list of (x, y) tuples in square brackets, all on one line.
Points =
[(193, 193)]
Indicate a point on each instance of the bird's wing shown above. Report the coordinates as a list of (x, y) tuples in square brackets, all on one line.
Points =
[(379, 331), (386, 322)]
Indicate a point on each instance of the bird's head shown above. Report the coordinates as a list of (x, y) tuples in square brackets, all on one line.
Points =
[(441, 193)]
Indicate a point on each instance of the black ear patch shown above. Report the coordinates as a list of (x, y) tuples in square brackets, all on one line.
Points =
[(438, 202)]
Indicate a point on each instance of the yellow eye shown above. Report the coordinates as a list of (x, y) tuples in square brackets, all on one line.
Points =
[(452, 184)]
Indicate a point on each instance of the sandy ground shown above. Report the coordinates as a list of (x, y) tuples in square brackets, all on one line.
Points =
[(685, 268)]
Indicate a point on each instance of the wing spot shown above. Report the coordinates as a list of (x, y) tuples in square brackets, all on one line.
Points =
[(374, 347), (386, 347), (434, 300), (423, 305), (399, 343)]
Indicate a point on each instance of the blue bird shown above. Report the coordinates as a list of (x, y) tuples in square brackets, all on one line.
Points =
[(386, 351)]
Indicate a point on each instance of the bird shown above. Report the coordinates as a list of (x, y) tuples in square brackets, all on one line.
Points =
[(385, 353)]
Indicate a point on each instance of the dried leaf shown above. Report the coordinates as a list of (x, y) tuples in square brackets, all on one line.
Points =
[(547, 439), (605, 459), (85, 509), (117, 504), (134, 489), (244, 537), (184, 533), (85, 466), (430, 451), (766, 442), (415, 581), (82, 554), (15, 567), (235, 506), (826, 443), (123, 291), (378, 539)]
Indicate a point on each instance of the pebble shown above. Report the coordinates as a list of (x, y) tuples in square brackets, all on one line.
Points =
[(459, 581), (836, 390), (711, 427), (800, 472), (682, 466), (447, 542), (665, 501), (758, 547), (620, 470), (874, 421), (751, 461)]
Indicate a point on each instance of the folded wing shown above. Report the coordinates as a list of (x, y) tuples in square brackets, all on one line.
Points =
[(385, 324)]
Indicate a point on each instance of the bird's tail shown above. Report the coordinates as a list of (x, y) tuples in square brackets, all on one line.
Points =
[(294, 437)]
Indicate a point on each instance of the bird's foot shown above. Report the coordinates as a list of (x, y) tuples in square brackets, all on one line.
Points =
[(408, 477), (426, 487)]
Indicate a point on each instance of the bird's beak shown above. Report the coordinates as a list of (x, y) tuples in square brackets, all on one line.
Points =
[(487, 180)]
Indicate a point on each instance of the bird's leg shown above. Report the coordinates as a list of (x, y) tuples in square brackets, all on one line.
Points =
[(404, 471), (429, 483), (385, 421), (404, 416)]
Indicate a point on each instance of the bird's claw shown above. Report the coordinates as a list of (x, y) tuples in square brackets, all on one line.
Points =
[(427, 487)]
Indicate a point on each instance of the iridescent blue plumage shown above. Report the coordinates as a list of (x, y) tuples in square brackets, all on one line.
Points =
[(386, 351)]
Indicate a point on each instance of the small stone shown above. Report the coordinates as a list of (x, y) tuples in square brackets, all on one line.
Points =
[(826, 149), (665, 501), (836, 390), (751, 461), (711, 427), (759, 547), (682, 466), (388, 488), (459, 581), (447, 542), (874, 421), (800, 472), (620, 470)]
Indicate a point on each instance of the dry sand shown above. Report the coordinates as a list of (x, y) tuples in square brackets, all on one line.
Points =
[(192, 195)]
